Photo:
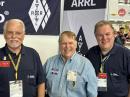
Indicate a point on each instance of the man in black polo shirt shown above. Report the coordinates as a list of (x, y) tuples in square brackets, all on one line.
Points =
[(21, 73), (111, 62)]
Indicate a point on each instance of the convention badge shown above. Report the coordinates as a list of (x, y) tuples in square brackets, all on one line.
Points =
[(16, 88), (4, 63), (71, 76), (102, 82)]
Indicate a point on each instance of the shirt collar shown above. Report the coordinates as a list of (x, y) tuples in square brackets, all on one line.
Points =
[(7, 51), (72, 57), (113, 50)]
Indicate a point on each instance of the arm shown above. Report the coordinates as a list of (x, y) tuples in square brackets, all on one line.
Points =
[(40, 77), (129, 91), (41, 90), (92, 81)]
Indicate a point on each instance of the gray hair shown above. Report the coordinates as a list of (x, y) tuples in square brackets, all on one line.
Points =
[(17, 20), (69, 34), (102, 23)]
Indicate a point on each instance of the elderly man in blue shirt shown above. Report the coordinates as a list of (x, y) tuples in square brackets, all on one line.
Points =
[(69, 74)]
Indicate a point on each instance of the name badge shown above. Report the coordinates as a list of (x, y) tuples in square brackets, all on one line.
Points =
[(4, 63), (102, 82), (16, 88), (71, 76)]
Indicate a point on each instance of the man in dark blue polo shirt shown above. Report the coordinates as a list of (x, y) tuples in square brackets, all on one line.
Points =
[(111, 62), (21, 73)]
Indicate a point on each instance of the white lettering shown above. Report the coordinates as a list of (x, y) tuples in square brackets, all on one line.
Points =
[(2, 18), (80, 3), (92, 3), (80, 38), (36, 12), (2, 3), (87, 2), (74, 3)]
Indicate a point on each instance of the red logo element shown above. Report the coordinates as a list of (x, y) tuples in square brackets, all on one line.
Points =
[(102, 75), (4, 63), (122, 12)]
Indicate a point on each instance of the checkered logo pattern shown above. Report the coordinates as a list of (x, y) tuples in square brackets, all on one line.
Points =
[(39, 14)]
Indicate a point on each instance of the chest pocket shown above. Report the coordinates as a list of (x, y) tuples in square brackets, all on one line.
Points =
[(76, 85), (30, 77), (52, 80)]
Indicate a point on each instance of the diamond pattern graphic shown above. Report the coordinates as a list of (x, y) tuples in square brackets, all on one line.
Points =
[(39, 12), (47, 13), (36, 13)]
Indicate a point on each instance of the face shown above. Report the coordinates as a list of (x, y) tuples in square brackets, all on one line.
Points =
[(122, 30), (67, 47), (14, 35), (105, 37)]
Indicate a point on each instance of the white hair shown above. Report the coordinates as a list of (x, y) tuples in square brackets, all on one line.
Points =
[(17, 20)]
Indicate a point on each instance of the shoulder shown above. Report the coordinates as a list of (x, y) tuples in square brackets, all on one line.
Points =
[(29, 50), (82, 60), (2, 51), (53, 58), (94, 48), (93, 51), (50, 62), (120, 49)]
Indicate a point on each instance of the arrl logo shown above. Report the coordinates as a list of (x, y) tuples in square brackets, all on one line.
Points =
[(39, 13)]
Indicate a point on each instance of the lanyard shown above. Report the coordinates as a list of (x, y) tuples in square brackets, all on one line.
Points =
[(15, 65), (103, 60)]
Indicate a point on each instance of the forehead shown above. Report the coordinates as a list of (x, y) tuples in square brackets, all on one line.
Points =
[(14, 25), (104, 28), (67, 38)]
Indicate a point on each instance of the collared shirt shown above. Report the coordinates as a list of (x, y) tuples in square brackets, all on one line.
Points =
[(58, 85), (30, 71), (117, 68)]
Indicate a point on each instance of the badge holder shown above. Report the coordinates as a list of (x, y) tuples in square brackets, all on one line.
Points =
[(72, 76), (102, 82), (16, 88)]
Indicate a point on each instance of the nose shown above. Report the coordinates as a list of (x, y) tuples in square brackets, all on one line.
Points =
[(67, 45), (104, 37), (14, 34)]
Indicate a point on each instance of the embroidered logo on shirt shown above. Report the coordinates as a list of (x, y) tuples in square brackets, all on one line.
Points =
[(54, 71), (31, 76)]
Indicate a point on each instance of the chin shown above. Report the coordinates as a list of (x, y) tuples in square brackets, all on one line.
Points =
[(15, 46)]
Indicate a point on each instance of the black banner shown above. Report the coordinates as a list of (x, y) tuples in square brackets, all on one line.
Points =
[(41, 17), (82, 46)]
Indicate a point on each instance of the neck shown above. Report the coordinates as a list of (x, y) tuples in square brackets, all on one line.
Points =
[(64, 59), (15, 50), (104, 52)]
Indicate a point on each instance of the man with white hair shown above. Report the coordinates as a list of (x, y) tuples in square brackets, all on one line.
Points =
[(21, 73)]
